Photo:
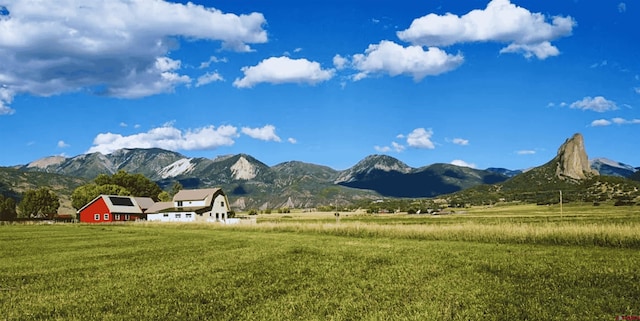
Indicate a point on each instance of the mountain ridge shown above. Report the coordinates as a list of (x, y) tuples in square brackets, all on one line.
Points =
[(251, 183)]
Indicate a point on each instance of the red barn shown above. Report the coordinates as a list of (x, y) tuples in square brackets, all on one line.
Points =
[(112, 208)]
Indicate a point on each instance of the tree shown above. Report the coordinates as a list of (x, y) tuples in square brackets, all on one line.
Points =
[(86, 193), (176, 188), (164, 197), (39, 203), (7, 209), (136, 184)]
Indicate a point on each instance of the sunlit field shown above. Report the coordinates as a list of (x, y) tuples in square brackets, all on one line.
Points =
[(502, 263)]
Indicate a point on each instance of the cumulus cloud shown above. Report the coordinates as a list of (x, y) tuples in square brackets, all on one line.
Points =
[(292, 140), (501, 21), (167, 137), (597, 104), (208, 78), (390, 58), (420, 138), (114, 47), (279, 70), (62, 144), (340, 62), (459, 162), (266, 133)]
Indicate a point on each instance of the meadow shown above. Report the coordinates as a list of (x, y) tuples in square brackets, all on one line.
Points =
[(501, 263)]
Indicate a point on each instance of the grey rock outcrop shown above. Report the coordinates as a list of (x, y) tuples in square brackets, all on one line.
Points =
[(573, 162)]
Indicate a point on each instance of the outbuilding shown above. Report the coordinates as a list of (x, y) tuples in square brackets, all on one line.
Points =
[(114, 208)]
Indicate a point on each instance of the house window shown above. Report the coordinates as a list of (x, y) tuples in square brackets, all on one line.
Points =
[(165, 215), (106, 216), (187, 215), (179, 203), (222, 204), (116, 217), (127, 217), (178, 215), (96, 217)]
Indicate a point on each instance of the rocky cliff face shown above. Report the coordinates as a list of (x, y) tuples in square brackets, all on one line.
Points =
[(573, 162)]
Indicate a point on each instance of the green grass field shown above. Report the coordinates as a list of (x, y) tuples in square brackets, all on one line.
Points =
[(518, 263)]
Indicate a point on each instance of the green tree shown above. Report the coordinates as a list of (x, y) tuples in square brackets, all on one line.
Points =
[(164, 197), (136, 184), (7, 209), (86, 193), (176, 188), (39, 203)]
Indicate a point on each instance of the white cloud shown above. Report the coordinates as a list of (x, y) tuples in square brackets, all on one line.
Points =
[(501, 21), (597, 104), (5, 110), (616, 120), (212, 59), (123, 124), (461, 141), (390, 58), (208, 78), (398, 148), (340, 62), (6, 97), (459, 162), (292, 140), (62, 144), (118, 46), (279, 70), (382, 149), (541, 51), (526, 152), (600, 122), (420, 138), (266, 133), (637, 90), (167, 137)]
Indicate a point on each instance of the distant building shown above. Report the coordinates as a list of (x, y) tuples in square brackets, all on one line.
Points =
[(114, 208), (196, 205)]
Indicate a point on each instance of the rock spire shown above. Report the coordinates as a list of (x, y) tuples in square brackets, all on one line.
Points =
[(573, 162)]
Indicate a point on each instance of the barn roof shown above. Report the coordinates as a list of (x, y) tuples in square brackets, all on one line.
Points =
[(159, 207), (118, 204), (197, 194)]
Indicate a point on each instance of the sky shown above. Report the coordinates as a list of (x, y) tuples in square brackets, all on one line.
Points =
[(474, 83)]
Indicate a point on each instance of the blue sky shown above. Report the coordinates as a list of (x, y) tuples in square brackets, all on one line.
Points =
[(476, 83)]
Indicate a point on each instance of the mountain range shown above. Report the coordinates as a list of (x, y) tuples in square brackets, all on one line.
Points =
[(249, 183)]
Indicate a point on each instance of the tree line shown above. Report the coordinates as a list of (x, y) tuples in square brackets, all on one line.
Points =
[(44, 203)]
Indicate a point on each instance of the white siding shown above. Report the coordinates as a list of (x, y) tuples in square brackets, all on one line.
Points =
[(172, 217), (189, 203)]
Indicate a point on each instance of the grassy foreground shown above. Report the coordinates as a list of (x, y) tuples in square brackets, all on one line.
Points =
[(319, 271)]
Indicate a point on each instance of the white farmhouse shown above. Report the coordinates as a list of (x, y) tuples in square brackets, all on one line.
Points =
[(195, 205)]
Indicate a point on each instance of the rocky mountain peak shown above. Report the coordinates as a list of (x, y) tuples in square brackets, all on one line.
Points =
[(572, 160), (243, 169)]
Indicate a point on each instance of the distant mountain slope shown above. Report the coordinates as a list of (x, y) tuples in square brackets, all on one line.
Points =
[(250, 183), (612, 168), (14, 182), (391, 177), (568, 173)]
